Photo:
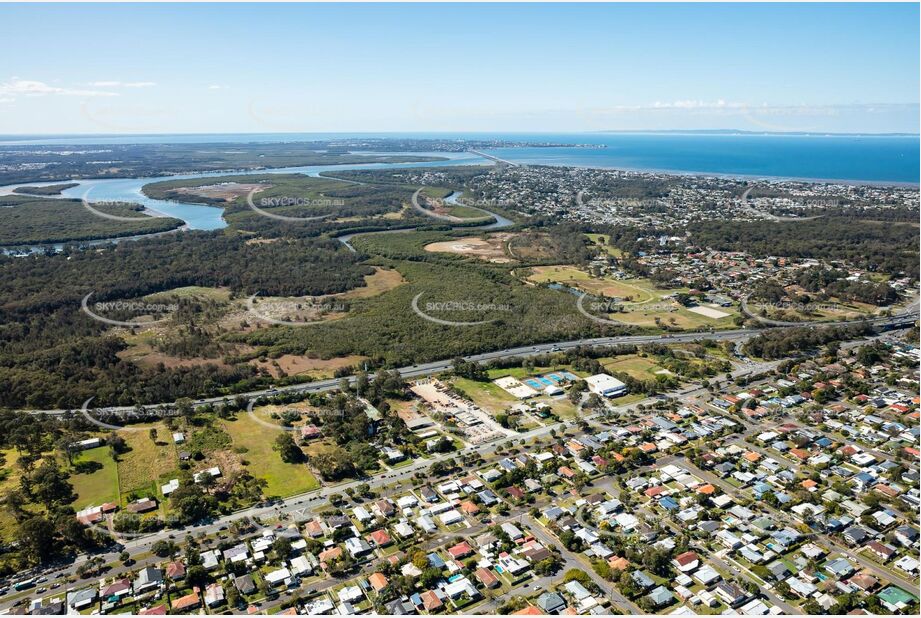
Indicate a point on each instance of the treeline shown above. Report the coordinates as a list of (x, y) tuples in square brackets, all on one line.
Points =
[(28, 220), (882, 247), (54, 355), (778, 343)]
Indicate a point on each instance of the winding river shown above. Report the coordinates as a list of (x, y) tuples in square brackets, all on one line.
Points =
[(201, 217)]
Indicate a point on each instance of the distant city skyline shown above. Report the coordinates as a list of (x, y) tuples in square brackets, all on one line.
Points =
[(215, 68)]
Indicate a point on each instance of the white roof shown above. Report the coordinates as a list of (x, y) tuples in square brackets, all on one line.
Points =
[(602, 382)]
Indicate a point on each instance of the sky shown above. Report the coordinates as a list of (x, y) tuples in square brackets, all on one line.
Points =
[(178, 68)]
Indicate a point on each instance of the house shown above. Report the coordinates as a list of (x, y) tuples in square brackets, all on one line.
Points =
[(175, 571), (660, 597), (245, 584), (512, 531), (148, 578), (895, 599), (117, 589), (82, 599), (357, 547), (729, 593), (430, 601), (214, 595), (907, 564), (144, 505), (380, 538), (378, 581), (642, 580), (461, 550), (551, 603), (485, 577), (686, 562), (883, 551), (855, 535), (278, 576), (188, 602)]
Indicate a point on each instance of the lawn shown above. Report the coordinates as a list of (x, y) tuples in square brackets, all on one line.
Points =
[(601, 240), (485, 394), (284, 479), (97, 487), (147, 462), (635, 366)]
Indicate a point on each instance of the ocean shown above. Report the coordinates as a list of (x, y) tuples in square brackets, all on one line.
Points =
[(884, 159)]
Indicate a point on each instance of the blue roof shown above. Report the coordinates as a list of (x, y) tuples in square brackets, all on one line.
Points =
[(668, 503)]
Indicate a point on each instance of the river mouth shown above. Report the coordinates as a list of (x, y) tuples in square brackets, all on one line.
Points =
[(199, 216)]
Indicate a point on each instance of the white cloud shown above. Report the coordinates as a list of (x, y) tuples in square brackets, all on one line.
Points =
[(117, 84), (32, 88), (217, 87)]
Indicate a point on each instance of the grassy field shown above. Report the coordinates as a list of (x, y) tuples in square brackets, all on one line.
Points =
[(283, 479), (644, 304), (636, 366), (100, 486), (601, 240), (141, 469), (485, 394)]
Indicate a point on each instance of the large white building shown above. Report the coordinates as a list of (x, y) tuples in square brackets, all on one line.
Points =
[(605, 385)]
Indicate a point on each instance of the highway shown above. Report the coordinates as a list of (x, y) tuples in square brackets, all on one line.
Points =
[(305, 506), (905, 318)]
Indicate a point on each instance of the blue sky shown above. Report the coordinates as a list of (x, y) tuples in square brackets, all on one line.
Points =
[(414, 67)]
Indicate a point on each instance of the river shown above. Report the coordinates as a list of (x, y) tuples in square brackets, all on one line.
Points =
[(201, 217)]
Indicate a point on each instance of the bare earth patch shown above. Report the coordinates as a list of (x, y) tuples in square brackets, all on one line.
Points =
[(291, 364), (491, 248), (227, 191)]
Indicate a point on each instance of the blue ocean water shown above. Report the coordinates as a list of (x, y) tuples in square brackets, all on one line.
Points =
[(851, 158)]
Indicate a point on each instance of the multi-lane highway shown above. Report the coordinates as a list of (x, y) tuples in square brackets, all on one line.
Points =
[(905, 318)]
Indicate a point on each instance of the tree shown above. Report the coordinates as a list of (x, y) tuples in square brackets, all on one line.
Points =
[(49, 485), (164, 549), (37, 539), (289, 451), (117, 445), (233, 596)]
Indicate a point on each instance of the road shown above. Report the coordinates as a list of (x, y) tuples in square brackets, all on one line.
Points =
[(492, 158), (573, 562), (881, 573), (905, 318), (302, 507)]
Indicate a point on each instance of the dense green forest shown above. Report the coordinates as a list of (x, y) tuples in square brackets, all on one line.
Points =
[(389, 331), (52, 354), (46, 190), (33, 220), (878, 246)]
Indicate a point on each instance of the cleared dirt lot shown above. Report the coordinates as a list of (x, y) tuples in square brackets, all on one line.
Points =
[(491, 248), (227, 191)]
